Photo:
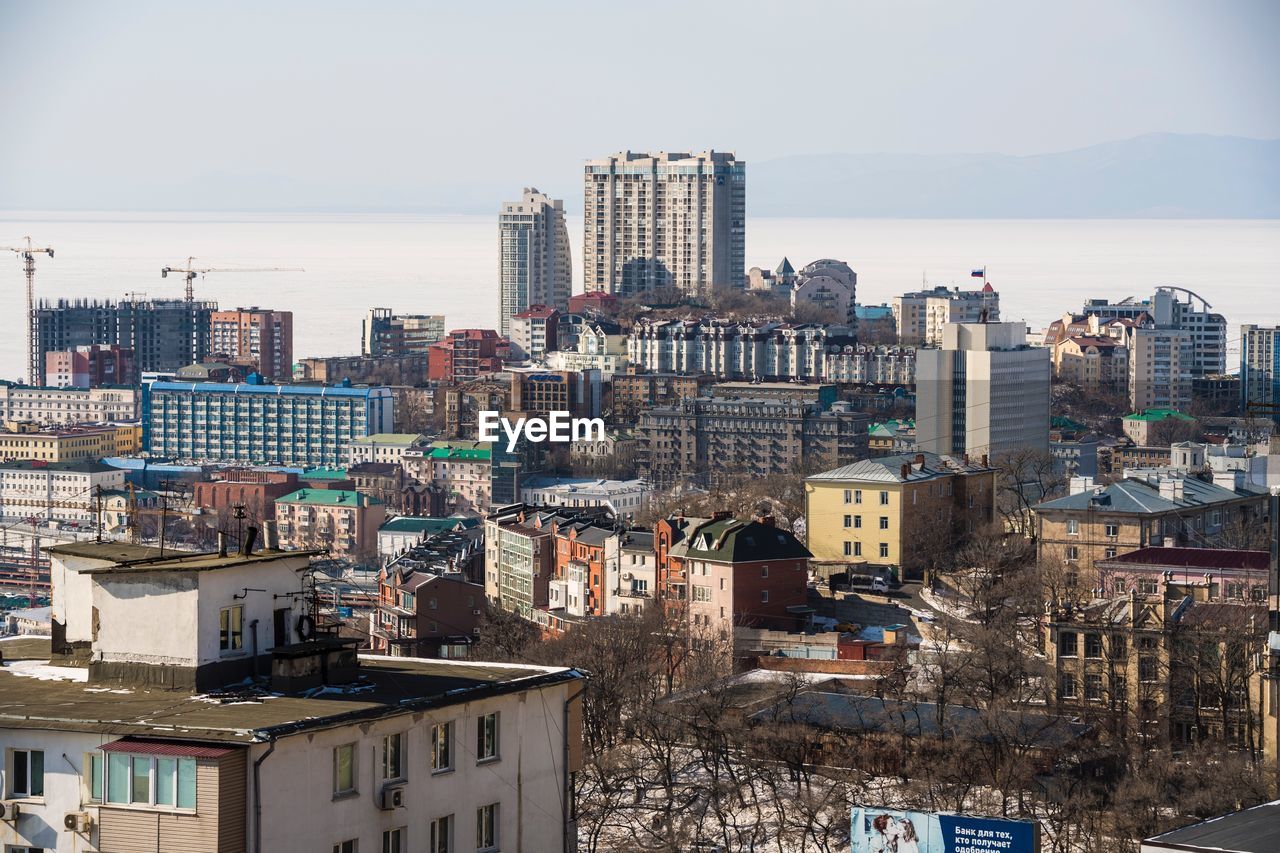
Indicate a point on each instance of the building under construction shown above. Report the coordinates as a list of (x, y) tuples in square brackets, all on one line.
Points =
[(164, 334)]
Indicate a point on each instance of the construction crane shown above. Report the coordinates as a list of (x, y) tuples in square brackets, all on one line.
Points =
[(189, 272), (28, 254)]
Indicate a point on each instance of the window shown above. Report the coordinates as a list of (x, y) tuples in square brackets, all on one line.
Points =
[(848, 521), (231, 630), (857, 522), (93, 776), (344, 769), (441, 835), (393, 841), (1146, 668), (1067, 687), (349, 846), (848, 549), (848, 496), (1067, 641), (392, 749), (1112, 530), (764, 571), (857, 496), (1093, 687), (857, 549), (764, 595), (487, 827), (26, 779), (1073, 527), (884, 522), (1109, 553), (442, 747), (144, 780), (1093, 645), (884, 550), (487, 737), (1073, 553), (701, 593), (884, 499)]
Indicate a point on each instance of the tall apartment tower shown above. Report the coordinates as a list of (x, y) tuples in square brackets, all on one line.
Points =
[(1260, 365), (535, 267), (664, 220), (257, 338), (984, 393), (1177, 308)]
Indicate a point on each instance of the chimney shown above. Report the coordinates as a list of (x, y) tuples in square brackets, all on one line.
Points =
[(1080, 485), (250, 535), (222, 543), (271, 535), (906, 470), (920, 459), (986, 463)]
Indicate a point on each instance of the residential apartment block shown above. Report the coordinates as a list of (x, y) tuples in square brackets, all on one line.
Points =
[(90, 366), (321, 749), (829, 287), (73, 444), (342, 522), (384, 447), (984, 392), (664, 220), (532, 332), (259, 424), (921, 315), (58, 491), (257, 339), (466, 354), (534, 266), (385, 333), (635, 391), (1260, 366), (45, 405), (1176, 308), (897, 513)]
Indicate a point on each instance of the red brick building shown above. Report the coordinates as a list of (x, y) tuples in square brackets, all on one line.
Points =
[(466, 354), (256, 339), (598, 301), (581, 547), (722, 572), (426, 615), (256, 490), (89, 366)]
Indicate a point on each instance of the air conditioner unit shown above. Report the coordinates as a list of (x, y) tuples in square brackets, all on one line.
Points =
[(475, 612), (626, 576), (9, 810), (79, 822), (391, 796)]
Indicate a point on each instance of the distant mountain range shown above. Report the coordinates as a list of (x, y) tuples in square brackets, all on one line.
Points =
[(1157, 175)]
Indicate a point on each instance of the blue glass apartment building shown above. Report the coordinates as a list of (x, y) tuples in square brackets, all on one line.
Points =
[(1260, 367), (253, 423)]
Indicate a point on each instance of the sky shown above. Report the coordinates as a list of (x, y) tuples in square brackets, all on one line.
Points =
[(137, 104)]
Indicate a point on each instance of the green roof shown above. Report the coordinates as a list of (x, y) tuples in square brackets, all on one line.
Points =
[(325, 474), (466, 450), (1151, 415), (328, 497), (427, 524), (405, 438), (733, 541)]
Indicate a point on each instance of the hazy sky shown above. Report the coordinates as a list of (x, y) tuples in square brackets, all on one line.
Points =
[(116, 104)]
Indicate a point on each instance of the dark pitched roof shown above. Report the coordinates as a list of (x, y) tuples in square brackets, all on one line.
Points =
[(1195, 558), (1255, 830), (732, 541)]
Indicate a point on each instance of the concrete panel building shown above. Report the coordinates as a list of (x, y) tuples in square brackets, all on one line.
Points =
[(983, 393), (257, 339), (534, 266), (1260, 365), (664, 220)]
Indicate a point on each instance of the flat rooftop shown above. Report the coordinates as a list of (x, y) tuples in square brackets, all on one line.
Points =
[(1255, 830), (36, 696), (125, 558)]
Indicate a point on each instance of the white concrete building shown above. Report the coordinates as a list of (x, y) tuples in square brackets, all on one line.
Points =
[(664, 220), (596, 350), (624, 497), (983, 393), (57, 491), (320, 750), (921, 315), (105, 404), (385, 447), (829, 286), (632, 568)]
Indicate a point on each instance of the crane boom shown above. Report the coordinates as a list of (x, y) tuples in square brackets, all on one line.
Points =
[(28, 254), (190, 272)]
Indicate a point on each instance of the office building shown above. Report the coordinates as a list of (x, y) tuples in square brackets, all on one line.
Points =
[(385, 333), (322, 748), (921, 315), (985, 392), (90, 366), (259, 424), (1260, 366), (535, 267), (164, 334), (664, 220), (256, 339)]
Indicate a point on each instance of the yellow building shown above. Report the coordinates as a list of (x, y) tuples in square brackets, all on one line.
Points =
[(895, 512), (72, 445)]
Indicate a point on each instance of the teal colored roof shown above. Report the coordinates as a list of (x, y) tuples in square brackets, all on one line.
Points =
[(889, 428), (325, 474), (405, 438), (411, 524), (1151, 415), (733, 541), (328, 497), (465, 453)]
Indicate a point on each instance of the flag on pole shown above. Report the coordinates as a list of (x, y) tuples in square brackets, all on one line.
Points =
[(982, 273)]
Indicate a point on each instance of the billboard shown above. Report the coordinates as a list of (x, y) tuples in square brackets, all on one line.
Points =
[(892, 831)]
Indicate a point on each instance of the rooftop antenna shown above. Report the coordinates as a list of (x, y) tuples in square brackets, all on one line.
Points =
[(28, 254)]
